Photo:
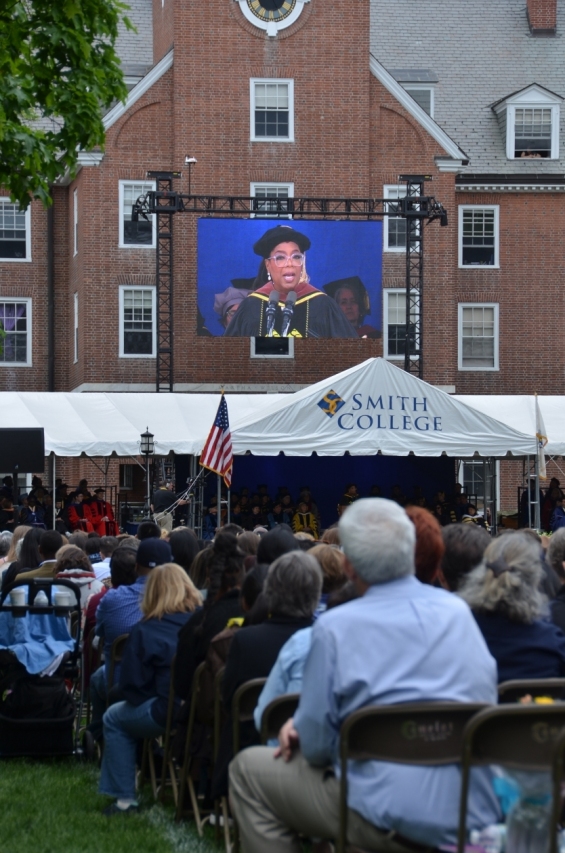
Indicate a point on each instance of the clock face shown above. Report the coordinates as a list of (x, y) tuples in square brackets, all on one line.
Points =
[(271, 10)]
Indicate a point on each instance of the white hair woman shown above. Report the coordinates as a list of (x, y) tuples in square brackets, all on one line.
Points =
[(169, 600), (504, 594)]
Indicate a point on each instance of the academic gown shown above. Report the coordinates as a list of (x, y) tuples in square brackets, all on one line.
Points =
[(99, 509), (80, 517), (316, 315)]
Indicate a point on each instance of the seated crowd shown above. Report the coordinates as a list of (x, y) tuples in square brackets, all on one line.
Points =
[(391, 606)]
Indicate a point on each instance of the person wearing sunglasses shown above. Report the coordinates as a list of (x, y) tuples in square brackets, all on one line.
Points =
[(271, 311)]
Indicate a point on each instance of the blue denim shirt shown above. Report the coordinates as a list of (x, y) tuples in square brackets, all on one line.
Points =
[(118, 612), (403, 641)]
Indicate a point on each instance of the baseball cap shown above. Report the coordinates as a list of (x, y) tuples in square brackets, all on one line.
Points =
[(153, 552)]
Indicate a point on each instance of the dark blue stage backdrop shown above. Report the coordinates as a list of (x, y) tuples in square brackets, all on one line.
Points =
[(339, 250)]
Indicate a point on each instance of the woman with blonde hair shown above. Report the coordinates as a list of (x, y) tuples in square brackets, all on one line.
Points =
[(14, 550), (169, 600)]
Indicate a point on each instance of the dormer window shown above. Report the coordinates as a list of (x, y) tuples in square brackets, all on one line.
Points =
[(420, 85), (529, 121)]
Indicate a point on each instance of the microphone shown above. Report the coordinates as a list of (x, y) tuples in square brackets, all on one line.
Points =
[(271, 311), (288, 311)]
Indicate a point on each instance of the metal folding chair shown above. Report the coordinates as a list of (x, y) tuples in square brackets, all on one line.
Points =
[(512, 691), (524, 737), (185, 779), (423, 733), (276, 714)]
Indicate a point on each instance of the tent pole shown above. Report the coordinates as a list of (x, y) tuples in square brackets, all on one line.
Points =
[(493, 482), (537, 508), (54, 488), (529, 491)]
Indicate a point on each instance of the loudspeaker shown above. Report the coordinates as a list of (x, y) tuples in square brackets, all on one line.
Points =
[(22, 450)]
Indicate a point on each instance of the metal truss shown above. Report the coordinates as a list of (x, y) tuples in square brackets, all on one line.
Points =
[(163, 202)]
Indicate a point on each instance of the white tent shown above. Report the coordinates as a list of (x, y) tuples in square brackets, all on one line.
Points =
[(376, 407), (519, 412), (101, 424)]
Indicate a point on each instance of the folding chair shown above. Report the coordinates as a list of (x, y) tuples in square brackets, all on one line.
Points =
[(276, 714), (243, 707), (168, 762), (427, 734), (524, 737), (185, 779), (118, 647), (512, 691)]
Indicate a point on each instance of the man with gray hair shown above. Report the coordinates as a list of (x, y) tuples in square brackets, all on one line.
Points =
[(401, 641)]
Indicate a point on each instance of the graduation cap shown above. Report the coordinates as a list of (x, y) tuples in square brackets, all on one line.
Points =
[(227, 299), (281, 234), (353, 283)]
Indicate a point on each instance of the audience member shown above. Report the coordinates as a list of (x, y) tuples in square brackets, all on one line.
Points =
[(332, 563), (108, 545), (29, 558), (222, 604), (73, 565), (427, 647), (5, 539), (429, 543), (148, 530), (504, 595), (184, 547), (15, 547), (292, 590), (169, 601), (465, 545), (79, 538), (556, 559)]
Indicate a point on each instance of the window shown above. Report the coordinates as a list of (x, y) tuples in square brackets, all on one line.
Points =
[(75, 222), (423, 95), (272, 110), (394, 333), (269, 197), (474, 474), (126, 476), (529, 123), (15, 241), (271, 347), (15, 322), (139, 234), (478, 236), (137, 322), (394, 228), (478, 337), (76, 328)]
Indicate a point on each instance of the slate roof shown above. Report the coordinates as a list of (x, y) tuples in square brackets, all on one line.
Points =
[(136, 48), (482, 51)]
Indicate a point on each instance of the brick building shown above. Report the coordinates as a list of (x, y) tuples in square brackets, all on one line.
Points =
[(469, 94)]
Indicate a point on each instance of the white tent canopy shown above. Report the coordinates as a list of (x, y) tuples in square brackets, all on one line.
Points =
[(376, 407), (519, 412), (102, 424), (370, 408)]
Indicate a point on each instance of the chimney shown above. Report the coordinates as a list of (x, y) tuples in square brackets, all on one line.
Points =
[(542, 17)]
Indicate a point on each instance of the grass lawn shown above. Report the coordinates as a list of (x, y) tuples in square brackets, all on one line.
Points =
[(54, 807)]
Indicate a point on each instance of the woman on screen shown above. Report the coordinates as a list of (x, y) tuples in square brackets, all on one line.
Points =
[(271, 310)]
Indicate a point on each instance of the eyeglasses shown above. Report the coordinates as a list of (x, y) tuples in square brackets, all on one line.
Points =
[(296, 259)]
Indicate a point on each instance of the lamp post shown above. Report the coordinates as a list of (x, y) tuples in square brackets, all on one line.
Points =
[(147, 448)]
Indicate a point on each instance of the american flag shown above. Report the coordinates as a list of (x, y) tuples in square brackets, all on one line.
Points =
[(217, 454)]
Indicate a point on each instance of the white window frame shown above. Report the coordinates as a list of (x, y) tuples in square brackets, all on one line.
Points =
[(391, 191), (461, 474), (153, 289), (471, 369), (75, 223), (27, 259), (496, 209), (511, 130), (290, 83), (255, 185), (386, 295), (428, 87), (28, 362), (147, 186), (75, 328), (253, 354)]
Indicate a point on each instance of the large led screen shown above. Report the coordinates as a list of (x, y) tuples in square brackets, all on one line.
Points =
[(280, 278)]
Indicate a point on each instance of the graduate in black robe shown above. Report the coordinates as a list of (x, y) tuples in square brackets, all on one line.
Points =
[(315, 314)]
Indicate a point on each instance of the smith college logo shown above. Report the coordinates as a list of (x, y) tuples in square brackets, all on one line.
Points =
[(331, 403)]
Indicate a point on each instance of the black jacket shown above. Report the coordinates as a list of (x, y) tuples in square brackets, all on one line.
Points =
[(558, 609), (252, 654), (146, 666), (196, 636)]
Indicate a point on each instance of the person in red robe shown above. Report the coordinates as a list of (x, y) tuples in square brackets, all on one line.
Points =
[(79, 515), (102, 515)]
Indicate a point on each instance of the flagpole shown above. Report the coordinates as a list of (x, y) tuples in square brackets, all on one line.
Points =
[(219, 501)]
